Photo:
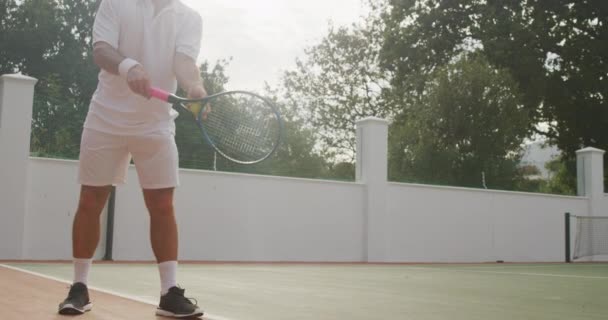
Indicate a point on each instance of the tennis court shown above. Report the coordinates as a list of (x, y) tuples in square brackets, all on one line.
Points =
[(332, 291), (246, 217)]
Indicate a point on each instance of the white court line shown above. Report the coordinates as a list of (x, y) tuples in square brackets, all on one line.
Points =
[(510, 273), (538, 274), (557, 265), (124, 296)]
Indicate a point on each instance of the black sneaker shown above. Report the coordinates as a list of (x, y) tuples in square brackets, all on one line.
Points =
[(77, 301), (174, 304)]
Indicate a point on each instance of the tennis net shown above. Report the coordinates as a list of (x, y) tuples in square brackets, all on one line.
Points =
[(591, 236)]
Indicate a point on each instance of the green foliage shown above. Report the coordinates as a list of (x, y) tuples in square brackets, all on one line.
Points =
[(194, 153), (464, 83), (469, 122), (561, 180), (56, 121), (295, 156), (338, 83), (50, 40), (7, 9), (342, 171), (556, 51)]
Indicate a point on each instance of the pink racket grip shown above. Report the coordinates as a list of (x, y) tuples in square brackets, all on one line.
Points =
[(160, 94)]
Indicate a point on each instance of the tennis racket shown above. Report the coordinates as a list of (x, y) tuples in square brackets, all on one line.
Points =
[(241, 126)]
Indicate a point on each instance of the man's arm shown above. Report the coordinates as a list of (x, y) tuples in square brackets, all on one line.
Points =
[(110, 60), (188, 76), (106, 57)]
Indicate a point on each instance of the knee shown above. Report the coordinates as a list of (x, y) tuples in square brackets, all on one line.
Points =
[(159, 202), (160, 207)]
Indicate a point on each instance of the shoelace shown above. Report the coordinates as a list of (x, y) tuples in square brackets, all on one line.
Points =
[(74, 291), (189, 300)]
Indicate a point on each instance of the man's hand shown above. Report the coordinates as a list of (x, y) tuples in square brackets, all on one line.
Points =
[(197, 92), (139, 81), (189, 78)]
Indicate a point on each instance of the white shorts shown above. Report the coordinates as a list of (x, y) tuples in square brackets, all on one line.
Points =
[(105, 158)]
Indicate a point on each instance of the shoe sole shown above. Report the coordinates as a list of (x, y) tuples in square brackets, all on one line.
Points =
[(69, 309), (165, 313)]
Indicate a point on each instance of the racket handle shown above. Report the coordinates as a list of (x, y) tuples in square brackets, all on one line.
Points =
[(160, 94)]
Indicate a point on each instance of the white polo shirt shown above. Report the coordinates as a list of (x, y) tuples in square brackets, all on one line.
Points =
[(131, 27)]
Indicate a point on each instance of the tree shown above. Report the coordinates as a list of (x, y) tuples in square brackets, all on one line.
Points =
[(561, 180), (344, 171), (339, 82), (469, 124), (7, 9), (194, 153), (294, 157), (555, 50), (50, 40)]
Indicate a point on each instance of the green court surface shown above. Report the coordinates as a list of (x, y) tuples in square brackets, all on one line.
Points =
[(364, 292)]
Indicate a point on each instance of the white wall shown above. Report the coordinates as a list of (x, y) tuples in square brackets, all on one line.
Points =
[(255, 218), (443, 224), (235, 217), (52, 197), (221, 216)]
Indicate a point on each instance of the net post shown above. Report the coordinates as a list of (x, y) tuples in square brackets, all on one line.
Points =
[(567, 236), (110, 225)]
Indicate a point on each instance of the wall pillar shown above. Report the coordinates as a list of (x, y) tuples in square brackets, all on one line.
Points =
[(16, 101), (372, 170), (590, 178)]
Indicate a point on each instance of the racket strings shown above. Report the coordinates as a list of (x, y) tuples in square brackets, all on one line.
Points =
[(242, 127)]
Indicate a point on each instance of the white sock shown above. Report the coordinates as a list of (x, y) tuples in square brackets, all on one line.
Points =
[(168, 275), (81, 270)]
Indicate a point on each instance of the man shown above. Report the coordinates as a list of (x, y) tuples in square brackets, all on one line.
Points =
[(137, 44)]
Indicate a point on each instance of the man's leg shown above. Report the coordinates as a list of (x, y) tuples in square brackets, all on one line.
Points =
[(86, 229), (164, 238), (104, 160), (85, 237), (163, 234), (86, 226), (156, 161)]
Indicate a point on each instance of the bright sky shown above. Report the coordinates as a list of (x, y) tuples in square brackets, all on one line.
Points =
[(264, 37)]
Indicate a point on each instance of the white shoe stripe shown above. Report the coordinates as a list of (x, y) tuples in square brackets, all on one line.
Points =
[(165, 313), (84, 309)]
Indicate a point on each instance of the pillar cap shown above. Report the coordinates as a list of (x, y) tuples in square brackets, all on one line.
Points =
[(372, 120), (18, 77), (590, 150)]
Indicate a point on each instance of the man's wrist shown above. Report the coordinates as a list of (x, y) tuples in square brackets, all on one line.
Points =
[(126, 65)]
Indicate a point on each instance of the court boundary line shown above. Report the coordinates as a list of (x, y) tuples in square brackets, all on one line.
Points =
[(509, 273), (110, 292), (547, 265), (237, 262), (539, 274)]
